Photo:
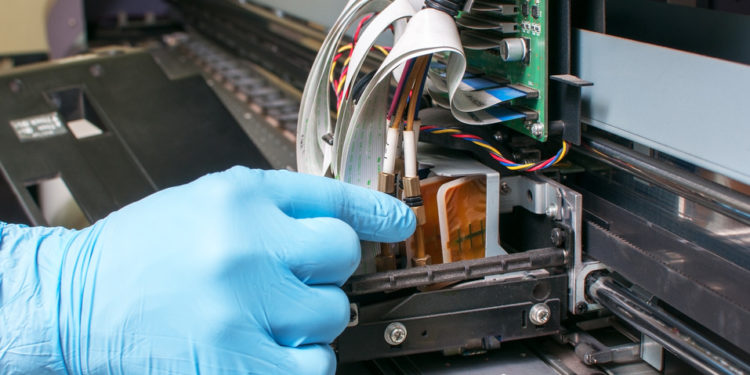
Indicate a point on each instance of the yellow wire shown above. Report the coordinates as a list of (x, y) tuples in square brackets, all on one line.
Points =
[(341, 84), (446, 131), (525, 166), (330, 75), (489, 148), (333, 66), (346, 48), (382, 50), (565, 149), (563, 153)]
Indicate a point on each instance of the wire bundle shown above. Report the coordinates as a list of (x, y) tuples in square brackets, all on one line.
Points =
[(338, 85), (496, 154), (409, 91)]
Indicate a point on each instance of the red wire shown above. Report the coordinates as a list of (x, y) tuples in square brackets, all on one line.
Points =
[(354, 41)]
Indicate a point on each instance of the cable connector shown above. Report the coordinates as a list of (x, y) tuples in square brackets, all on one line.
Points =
[(387, 183), (421, 258), (411, 187), (421, 215), (451, 7), (386, 260)]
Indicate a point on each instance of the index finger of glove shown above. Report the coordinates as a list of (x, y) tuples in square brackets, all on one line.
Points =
[(374, 216)]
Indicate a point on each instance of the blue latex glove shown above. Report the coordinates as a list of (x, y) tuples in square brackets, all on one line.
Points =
[(237, 272)]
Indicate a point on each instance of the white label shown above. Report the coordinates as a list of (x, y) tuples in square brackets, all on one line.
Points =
[(38, 127)]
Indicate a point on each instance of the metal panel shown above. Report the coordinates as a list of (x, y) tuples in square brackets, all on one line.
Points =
[(683, 104)]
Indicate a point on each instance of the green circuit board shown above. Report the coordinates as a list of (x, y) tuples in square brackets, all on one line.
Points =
[(533, 72)]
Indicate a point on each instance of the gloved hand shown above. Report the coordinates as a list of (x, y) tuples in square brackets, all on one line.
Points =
[(237, 272)]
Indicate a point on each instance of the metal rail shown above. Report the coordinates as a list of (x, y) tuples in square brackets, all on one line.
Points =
[(678, 338), (705, 192), (459, 271)]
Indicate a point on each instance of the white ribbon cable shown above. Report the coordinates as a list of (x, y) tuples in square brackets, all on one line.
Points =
[(469, 104), (313, 153), (398, 10)]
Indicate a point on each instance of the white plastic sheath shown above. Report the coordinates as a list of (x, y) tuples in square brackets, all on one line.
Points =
[(410, 154), (417, 126), (429, 31), (313, 153), (391, 151)]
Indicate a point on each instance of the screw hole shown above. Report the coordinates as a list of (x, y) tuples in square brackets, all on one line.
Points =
[(424, 333), (541, 291), (529, 196)]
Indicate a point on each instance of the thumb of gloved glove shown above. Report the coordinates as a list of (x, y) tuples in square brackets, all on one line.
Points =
[(237, 272)]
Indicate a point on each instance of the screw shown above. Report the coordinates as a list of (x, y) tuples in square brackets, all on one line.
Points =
[(96, 70), (395, 333), (499, 136), (558, 237), (16, 86), (552, 210), (540, 314), (328, 138), (581, 307), (353, 315), (505, 188), (537, 129), (589, 359)]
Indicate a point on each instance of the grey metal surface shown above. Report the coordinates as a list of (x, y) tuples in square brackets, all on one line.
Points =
[(545, 196), (513, 359), (700, 190), (678, 338), (652, 352), (685, 105)]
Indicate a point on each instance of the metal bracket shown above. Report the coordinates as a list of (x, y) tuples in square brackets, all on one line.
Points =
[(568, 95), (453, 318), (545, 196), (593, 352)]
